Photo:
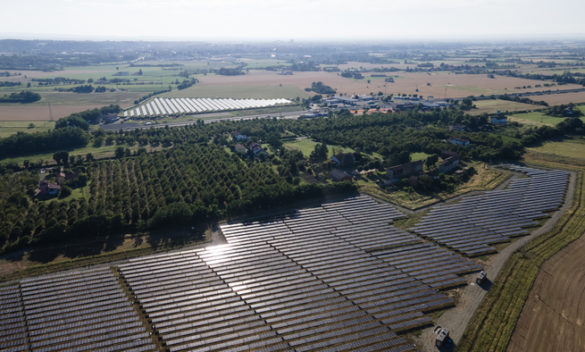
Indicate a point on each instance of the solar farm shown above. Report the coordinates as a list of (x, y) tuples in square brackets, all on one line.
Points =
[(475, 224), (177, 106), (338, 276), (75, 311)]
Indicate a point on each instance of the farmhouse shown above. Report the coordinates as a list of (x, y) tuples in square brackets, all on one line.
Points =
[(239, 137), (47, 188), (449, 164), (498, 120), (395, 173), (256, 149), (240, 149), (340, 175)]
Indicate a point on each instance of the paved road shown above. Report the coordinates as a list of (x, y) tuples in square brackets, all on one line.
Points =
[(457, 318), (209, 118)]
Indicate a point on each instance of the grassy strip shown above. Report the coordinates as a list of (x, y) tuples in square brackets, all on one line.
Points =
[(493, 323)]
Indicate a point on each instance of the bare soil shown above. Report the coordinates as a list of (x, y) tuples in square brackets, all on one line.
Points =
[(554, 315), (564, 98), (21, 112)]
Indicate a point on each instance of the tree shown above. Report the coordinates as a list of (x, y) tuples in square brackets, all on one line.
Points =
[(431, 161), (62, 158), (399, 158), (274, 141), (467, 104), (120, 152), (65, 192), (72, 121), (319, 154)]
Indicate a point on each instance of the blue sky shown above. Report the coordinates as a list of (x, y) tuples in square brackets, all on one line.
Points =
[(299, 19)]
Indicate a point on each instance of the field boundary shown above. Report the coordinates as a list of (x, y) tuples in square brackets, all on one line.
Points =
[(494, 322)]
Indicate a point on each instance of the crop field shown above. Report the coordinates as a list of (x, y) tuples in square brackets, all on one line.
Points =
[(553, 316), (441, 84), (535, 118), (573, 148), (563, 98), (494, 323), (8, 128), (65, 103), (39, 112), (493, 105)]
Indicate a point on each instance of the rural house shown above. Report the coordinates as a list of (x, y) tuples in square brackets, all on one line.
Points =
[(240, 149), (239, 137), (256, 149), (395, 173), (47, 188), (498, 120), (340, 175), (449, 164)]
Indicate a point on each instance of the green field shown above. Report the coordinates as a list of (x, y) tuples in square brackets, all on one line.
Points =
[(419, 156), (307, 145), (8, 128), (573, 148), (535, 118), (98, 153), (539, 118), (493, 105)]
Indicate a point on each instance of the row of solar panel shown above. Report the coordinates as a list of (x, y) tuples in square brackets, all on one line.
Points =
[(474, 224), (74, 311)]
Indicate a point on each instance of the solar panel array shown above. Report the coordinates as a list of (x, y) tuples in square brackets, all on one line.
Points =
[(177, 106), (473, 225), (316, 279), (12, 320), (337, 276), (74, 311)]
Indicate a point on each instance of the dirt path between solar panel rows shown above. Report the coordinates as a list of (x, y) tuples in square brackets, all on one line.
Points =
[(470, 296)]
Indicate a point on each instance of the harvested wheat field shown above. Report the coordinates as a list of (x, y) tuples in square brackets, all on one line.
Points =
[(37, 112), (64, 104), (563, 98), (436, 84), (553, 317)]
